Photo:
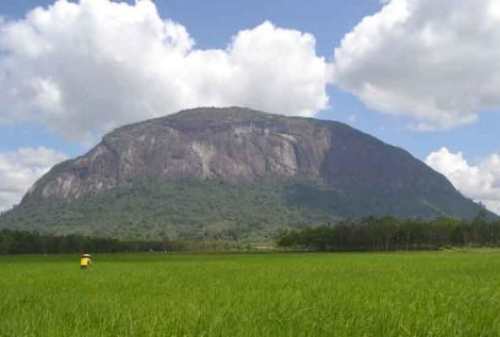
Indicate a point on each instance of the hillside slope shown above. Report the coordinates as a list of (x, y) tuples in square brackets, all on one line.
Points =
[(212, 172)]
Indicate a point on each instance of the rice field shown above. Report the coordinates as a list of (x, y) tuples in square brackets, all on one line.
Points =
[(454, 293)]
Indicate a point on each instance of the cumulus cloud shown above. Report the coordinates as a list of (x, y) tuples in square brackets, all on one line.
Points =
[(480, 182), (437, 62), (20, 169), (83, 68)]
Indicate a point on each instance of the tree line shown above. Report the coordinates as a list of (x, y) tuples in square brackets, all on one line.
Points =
[(23, 242), (14, 242), (367, 234), (388, 233)]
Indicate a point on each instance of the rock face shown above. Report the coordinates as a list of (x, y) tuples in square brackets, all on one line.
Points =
[(233, 145), (241, 146)]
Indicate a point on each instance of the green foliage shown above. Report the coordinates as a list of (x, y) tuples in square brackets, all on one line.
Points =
[(21, 242), (185, 210), (150, 209), (439, 294), (390, 233)]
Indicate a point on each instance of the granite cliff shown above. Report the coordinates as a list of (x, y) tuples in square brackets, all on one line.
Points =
[(314, 171)]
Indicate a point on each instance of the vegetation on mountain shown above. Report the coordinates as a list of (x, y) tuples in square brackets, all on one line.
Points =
[(206, 210), (148, 209), (232, 174), (367, 234)]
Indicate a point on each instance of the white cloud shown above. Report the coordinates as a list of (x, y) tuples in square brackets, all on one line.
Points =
[(480, 182), (20, 169), (83, 68), (435, 61)]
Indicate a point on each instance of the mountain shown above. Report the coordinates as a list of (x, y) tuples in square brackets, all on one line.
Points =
[(232, 173)]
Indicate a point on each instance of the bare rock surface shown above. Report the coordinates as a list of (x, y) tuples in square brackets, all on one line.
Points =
[(238, 146)]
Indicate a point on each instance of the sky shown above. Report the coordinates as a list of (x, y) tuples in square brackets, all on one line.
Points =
[(420, 74)]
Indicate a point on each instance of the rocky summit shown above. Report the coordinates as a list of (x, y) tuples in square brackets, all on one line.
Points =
[(232, 172)]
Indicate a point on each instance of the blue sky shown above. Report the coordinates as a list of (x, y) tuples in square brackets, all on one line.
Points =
[(212, 24)]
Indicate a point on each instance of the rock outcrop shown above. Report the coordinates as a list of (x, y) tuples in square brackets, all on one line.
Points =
[(241, 146)]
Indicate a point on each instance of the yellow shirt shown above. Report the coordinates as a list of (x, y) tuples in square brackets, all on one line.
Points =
[(85, 262)]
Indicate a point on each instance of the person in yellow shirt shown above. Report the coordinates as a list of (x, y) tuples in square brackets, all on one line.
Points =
[(85, 261)]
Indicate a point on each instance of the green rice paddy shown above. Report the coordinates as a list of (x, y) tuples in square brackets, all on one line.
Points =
[(454, 293)]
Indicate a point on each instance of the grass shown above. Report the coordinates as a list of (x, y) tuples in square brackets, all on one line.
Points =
[(455, 293)]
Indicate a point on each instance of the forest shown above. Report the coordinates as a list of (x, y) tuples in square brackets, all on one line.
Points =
[(24, 242), (388, 233), (366, 234)]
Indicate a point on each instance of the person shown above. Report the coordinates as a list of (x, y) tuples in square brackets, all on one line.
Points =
[(85, 261)]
